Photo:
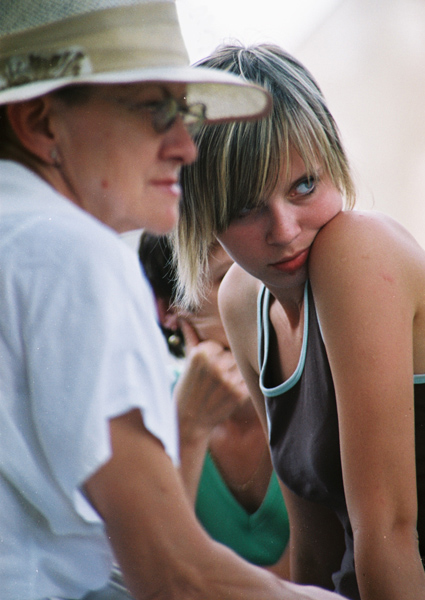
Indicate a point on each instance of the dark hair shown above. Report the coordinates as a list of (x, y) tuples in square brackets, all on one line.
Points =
[(155, 255)]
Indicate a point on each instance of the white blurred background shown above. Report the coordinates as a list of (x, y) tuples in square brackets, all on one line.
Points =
[(206, 23), (368, 56)]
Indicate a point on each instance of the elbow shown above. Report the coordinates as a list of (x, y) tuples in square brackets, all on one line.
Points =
[(398, 535)]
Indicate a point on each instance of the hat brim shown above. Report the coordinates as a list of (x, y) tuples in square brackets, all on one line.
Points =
[(127, 43), (225, 96)]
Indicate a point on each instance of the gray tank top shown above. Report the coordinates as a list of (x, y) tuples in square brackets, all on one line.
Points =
[(303, 429)]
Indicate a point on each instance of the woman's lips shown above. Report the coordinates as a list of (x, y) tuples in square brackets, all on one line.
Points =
[(292, 264), (169, 187)]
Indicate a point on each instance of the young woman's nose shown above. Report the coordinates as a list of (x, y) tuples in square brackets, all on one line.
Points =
[(284, 225), (179, 144)]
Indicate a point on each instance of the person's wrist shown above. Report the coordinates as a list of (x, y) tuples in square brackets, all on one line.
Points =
[(193, 434)]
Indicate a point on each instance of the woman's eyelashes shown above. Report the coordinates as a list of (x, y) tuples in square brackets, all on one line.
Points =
[(254, 209), (303, 187)]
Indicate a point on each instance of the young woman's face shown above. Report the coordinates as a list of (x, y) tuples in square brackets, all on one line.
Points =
[(113, 162), (206, 320), (272, 242)]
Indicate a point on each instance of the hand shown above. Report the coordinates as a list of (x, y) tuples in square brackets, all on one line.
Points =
[(210, 388)]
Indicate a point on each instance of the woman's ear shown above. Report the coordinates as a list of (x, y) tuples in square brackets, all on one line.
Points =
[(167, 314), (30, 123)]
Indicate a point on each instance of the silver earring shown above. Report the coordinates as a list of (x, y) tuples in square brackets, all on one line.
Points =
[(174, 340)]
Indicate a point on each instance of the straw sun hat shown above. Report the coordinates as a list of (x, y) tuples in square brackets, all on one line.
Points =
[(47, 44)]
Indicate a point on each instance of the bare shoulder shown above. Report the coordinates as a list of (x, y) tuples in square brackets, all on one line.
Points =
[(238, 294), (238, 308), (361, 242), (375, 227), (364, 269)]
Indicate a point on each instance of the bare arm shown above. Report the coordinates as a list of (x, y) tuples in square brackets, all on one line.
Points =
[(364, 285), (316, 541), (162, 550), (206, 394), (240, 322), (283, 566)]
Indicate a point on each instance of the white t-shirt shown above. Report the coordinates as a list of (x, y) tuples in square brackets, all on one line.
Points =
[(79, 344)]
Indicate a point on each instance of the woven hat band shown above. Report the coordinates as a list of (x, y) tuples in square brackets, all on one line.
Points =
[(123, 38), (48, 44)]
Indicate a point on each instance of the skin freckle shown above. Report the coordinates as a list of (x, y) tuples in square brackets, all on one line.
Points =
[(387, 277)]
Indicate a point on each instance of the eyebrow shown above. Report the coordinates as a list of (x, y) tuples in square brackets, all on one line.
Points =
[(317, 173)]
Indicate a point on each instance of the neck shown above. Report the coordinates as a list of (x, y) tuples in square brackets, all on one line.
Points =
[(288, 306)]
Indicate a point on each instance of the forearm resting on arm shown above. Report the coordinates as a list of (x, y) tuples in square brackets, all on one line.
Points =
[(193, 434), (207, 392), (162, 550)]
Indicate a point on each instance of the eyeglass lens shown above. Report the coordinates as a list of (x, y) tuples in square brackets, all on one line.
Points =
[(165, 114)]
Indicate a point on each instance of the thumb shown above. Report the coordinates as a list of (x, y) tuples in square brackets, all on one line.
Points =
[(191, 337)]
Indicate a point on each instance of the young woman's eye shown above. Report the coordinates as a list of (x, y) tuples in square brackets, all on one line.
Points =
[(306, 186), (244, 212), (250, 211)]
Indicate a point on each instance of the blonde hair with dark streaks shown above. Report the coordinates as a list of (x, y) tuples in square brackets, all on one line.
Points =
[(239, 163)]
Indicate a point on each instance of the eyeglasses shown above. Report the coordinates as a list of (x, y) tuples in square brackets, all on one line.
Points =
[(165, 112)]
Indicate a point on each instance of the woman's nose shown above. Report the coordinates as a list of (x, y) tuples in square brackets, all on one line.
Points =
[(284, 224), (179, 144)]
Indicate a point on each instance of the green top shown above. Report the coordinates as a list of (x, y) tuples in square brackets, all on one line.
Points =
[(260, 537)]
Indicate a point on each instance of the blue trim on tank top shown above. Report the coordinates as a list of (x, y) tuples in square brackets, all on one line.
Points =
[(263, 331), (289, 383)]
